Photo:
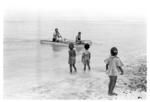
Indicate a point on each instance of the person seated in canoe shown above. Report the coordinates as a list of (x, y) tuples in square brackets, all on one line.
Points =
[(56, 36), (78, 38)]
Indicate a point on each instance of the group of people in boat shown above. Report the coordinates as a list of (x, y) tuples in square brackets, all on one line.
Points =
[(58, 38)]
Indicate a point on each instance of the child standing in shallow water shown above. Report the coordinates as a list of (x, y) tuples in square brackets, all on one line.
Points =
[(86, 55), (113, 66), (72, 57)]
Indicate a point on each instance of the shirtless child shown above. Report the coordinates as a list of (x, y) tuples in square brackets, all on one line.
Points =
[(86, 56)]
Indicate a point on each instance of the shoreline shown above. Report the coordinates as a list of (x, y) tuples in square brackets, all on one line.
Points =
[(92, 85), (135, 80)]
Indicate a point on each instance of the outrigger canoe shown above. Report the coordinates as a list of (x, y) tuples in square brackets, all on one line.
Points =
[(65, 42)]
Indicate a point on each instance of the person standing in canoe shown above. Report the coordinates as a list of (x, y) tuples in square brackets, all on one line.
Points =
[(78, 38), (56, 36)]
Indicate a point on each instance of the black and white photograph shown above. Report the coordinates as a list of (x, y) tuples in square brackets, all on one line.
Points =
[(75, 50)]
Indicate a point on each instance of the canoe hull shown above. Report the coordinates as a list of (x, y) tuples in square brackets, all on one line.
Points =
[(64, 43)]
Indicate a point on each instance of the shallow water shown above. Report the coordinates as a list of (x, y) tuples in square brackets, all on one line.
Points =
[(33, 70)]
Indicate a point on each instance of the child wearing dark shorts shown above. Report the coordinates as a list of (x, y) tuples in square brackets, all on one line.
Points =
[(113, 67)]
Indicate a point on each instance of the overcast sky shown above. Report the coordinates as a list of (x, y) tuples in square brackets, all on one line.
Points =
[(75, 9)]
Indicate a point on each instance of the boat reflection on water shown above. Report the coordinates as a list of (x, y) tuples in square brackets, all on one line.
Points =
[(79, 49), (57, 48)]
